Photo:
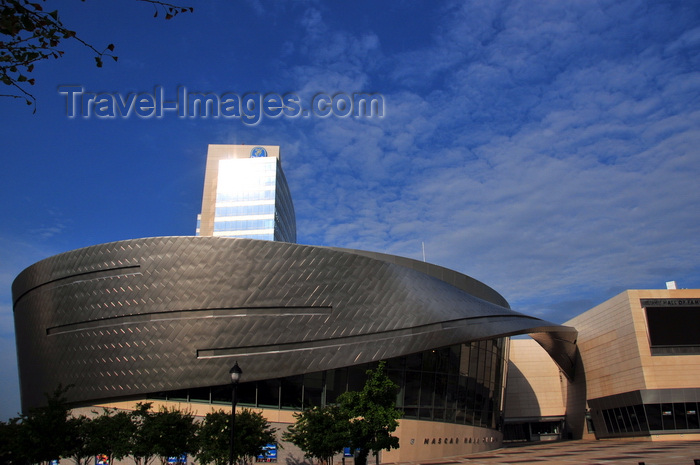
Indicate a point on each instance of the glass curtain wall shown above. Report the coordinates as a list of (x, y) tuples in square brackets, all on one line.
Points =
[(253, 201), (651, 419), (456, 384)]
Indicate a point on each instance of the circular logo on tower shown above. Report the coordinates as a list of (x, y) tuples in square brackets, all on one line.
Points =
[(258, 152)]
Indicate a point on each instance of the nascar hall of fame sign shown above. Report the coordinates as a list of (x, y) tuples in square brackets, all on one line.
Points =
[(258, 152)]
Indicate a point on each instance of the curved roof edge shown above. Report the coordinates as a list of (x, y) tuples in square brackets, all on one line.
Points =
[(102, 317), (557, 340)]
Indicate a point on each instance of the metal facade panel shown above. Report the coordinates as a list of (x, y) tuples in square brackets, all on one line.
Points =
[(156, 314)]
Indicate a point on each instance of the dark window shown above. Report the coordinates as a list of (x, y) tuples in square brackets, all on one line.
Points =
[(440, 391), (411, 397), (313, 389), (269, 393), (451, 392), (610, 423), (427, 389), (641, 417), (439, 414), (246, 394), (667, 416), (414, 362), (679, 415), (668, 326), (200, 395), (357, 375), (221, 394), (398, 378), (291, 392), (654, 416), (178, 395), (622, 420), (443, 360), (464, 360), (461, 399), (396, 364), (336, 384), (430, 360), (691, 414)]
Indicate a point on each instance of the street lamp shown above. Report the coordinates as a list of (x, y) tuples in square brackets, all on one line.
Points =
[(235, 372)]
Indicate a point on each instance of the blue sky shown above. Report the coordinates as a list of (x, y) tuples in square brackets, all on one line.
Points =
[(549, 149)]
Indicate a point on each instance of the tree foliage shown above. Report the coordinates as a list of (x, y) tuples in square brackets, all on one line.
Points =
[(110, 434), (174, 433), (145, 435), (373, 414), (11, 452), (29, 34), (321, 432), (252, 433), (213, 438), (79, 446), (363, 420), (44, 433)]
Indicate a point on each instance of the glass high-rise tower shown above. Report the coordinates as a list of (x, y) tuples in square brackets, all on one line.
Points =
[(246, 194)]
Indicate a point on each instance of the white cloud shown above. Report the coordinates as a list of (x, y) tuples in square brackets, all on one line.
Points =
[(548, 163)]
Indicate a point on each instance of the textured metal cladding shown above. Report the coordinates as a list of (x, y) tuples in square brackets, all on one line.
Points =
[(154, 314)]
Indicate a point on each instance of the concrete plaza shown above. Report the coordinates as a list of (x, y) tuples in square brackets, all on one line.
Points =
[(585, 452)]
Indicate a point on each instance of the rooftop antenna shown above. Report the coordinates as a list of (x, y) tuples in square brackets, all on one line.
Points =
[(423, 245)]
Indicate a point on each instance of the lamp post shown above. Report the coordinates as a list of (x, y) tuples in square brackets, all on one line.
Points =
[(235, 372)]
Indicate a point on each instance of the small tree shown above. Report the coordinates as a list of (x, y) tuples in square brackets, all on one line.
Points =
[(44, 431), (321, 432), (213, 438), (11, 450), (110, 434), (79, 445), (144, 437), (373, 414), (174, 433), (252, 434)]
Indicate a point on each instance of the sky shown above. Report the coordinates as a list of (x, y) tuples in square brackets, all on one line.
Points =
[(550, 149)]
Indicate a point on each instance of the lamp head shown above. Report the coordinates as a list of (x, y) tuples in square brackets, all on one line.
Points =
[(235, 373)]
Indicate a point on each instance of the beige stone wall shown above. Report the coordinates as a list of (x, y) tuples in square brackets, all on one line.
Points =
[(427, 440), (615, 356), (533, 388), (667, 371), (608, 343), (614, 346)]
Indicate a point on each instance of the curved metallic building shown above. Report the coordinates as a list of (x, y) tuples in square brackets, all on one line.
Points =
[(134, 317)]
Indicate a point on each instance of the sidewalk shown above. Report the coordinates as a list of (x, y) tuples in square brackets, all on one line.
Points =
[(584, 452)]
